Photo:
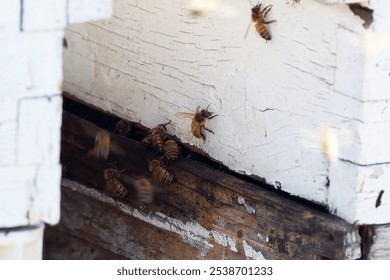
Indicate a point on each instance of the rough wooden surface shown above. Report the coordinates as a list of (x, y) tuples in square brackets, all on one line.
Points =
[(58, 245), (204, 214), (380, 248), (276, 101)]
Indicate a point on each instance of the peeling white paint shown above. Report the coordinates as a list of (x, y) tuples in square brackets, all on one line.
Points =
[(224, 240), (248, 208), (263, 238), (190, 232), (252, 253), (352, 253)]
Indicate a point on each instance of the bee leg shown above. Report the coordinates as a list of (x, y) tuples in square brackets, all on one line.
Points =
[(266, 10), (268, 22), (212, 117), (209, 130)]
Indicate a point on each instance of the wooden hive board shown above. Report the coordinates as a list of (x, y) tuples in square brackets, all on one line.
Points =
[(204, 214)]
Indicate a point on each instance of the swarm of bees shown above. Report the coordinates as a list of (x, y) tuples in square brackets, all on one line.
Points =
[(258, 16), (158, 140)]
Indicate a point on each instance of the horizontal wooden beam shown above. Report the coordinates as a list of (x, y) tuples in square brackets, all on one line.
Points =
[(203, 214)]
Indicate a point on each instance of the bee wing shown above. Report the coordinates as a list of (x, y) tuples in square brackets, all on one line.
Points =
[(247, 29), (184, 115)]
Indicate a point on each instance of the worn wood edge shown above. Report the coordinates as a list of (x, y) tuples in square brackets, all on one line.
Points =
[(380, 242), (253, 201), (59, 245)]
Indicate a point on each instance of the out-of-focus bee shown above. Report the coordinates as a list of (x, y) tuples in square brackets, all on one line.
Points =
[(199, 119), (171, 150), (156, 137), (102, 145), (122, 127), (145, 190), (114, 186), (258, 16), (159, 172)]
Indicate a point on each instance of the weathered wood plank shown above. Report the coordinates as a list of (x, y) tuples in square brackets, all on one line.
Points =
[(380, 248), (58, 245), (230, 216), (280, 97)]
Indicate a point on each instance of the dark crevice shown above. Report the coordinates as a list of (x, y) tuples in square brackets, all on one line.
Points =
[(18, 229), (107, 121), (366, 14), (367, 234)]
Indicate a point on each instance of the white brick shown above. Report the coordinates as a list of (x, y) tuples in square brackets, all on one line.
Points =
[(22, 244), (87, 10), (29, 195), (38, 135), (9, 17), (45, 15)]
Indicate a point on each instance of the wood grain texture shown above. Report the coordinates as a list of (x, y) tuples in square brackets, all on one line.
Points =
[(58, 245), (275, 100), (204, 214)]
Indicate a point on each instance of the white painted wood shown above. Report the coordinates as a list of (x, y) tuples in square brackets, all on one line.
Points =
[(49, 14), (31, 39), (83, 10), (21, 244), (276, 101), (380, 249), (39, 120), (10, 20)]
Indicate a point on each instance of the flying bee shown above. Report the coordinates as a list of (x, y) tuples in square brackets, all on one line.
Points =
[(145, 190), (258, 16), (171, 150), (122, 127), (114, 186), (199, 119), (102, 145), (156, 137), (159, 172)]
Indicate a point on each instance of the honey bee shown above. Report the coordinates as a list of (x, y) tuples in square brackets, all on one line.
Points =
[(156, 137), (159, 172), (199, 119), (145, 191), (171, 150), (114, 186), (102, 145), (122, 127), (258, 16)]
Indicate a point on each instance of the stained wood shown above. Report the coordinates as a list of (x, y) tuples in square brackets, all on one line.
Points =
[(59, 245), (236, 219)]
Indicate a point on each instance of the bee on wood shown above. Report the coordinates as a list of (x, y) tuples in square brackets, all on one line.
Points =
[(122, 127), (102, 145), (114, 186), (258, 16), (159, 172), (171, 150), (199, 119), (145, 190), (156, 137)]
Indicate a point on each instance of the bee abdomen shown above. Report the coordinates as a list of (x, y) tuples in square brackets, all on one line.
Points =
[(171, 150), (158, 143), (144, 190), (262, 30), (163, 175), (116, 188)]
